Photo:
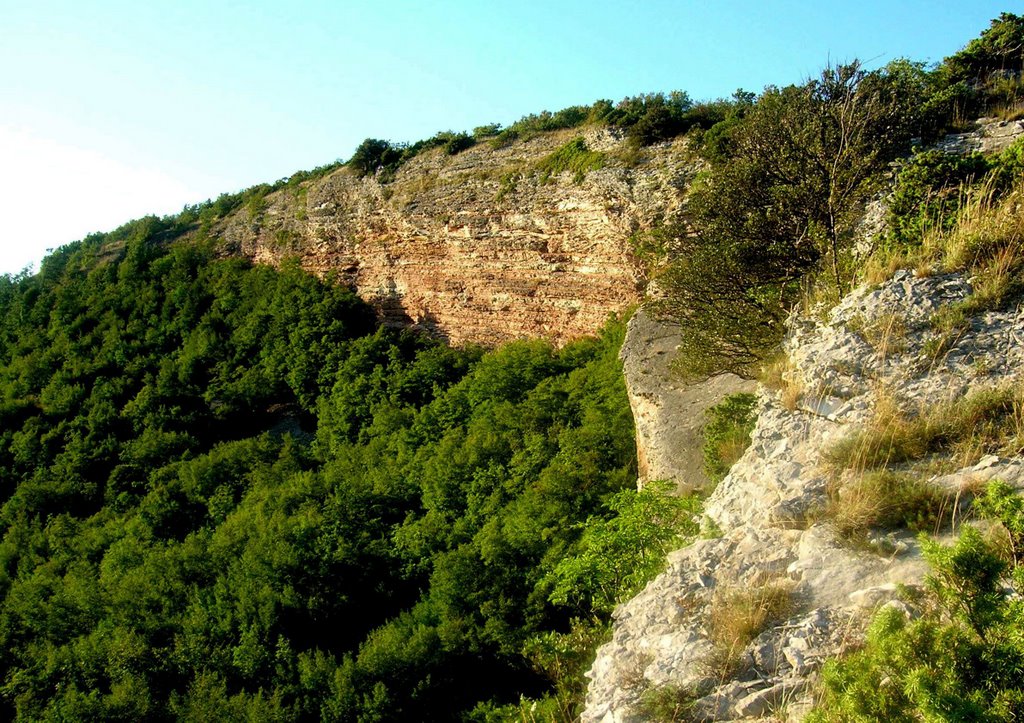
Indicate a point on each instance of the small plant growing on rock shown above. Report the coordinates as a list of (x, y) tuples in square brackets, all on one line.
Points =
[(885, 463), (980, 423), (738, 615), (574, 156), (780, 374), (668, 704), (888, 500), (886, 333)]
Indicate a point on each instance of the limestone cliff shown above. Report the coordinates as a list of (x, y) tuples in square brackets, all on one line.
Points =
[(669, 414), (480, 246), (769, 509)]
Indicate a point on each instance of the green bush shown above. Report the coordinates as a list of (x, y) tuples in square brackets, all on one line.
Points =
[(927, 192), (618, 556), (373, 155), (962, 659), (727, 433), (780, 203), (574, 156)]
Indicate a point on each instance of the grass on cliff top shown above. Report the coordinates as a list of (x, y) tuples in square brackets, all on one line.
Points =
[(887, 461), (986, 241)]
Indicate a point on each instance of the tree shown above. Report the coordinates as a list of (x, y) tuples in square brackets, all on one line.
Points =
[(374, 154), (782, 202), (999, 49)]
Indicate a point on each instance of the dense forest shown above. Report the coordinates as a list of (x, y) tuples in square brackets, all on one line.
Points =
[(227, 493)]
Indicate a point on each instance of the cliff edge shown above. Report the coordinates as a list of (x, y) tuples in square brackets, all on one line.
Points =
[(773, 532)]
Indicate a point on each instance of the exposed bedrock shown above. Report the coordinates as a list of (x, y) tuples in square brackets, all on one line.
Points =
[(479, 247)]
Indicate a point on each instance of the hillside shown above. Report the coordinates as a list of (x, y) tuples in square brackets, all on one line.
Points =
[(484, 246), (377, 442)]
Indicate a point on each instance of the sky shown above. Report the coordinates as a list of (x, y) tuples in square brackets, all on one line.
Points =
[(111, 109)]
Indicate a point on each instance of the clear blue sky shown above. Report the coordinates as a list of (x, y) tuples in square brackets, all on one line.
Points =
[(113, 109)]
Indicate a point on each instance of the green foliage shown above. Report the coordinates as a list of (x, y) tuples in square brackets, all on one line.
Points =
[(563, 658), (727, 433), (226, 495), (619, 556), (1002, 503), (373, 155), (668, 704), (927, 192), (997, 51), (932, 188), (962, 659), (781, 202), (536, 123), (574, 156)]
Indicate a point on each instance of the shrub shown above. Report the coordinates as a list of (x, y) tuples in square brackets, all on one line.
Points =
[(783, 204), (727, 433), (927, 192), (998, 51), (963, 657), (531, 125), (617, 557), (373, 155), (573, 156), (668, 704)]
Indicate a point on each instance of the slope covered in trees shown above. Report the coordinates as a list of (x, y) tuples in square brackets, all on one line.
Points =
[(227, 495)]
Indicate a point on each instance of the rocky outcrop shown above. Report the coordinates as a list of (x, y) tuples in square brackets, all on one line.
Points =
[(768, 510), (990, 136), (668, 413), (480, 246)]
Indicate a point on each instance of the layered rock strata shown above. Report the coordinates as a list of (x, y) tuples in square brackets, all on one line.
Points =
[(768, 510), (481, 246)]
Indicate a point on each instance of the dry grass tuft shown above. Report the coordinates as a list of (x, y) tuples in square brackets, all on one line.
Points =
[(889, 500), (886, 333), (738, 615), (982, 423), (987, 241), (883, 467), (779, 373)]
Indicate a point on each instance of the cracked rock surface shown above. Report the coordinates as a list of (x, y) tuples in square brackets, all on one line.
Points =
[(768, 510)]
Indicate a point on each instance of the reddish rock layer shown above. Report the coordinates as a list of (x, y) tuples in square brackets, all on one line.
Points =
[(476, 247)]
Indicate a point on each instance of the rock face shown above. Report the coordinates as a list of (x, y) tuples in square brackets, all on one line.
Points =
[(991, 136), (480, 246), (768, 510), (669, 414)]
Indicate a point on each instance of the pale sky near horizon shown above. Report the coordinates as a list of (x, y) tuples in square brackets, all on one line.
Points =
[(113, 109)]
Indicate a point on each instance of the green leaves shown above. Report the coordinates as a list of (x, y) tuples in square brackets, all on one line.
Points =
[(226, 495), (616, 557), (962, 659)]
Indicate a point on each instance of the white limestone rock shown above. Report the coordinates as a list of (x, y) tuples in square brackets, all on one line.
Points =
[(769, 509)]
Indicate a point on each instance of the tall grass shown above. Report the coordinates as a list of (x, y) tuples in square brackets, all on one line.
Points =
[(987, 241)]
